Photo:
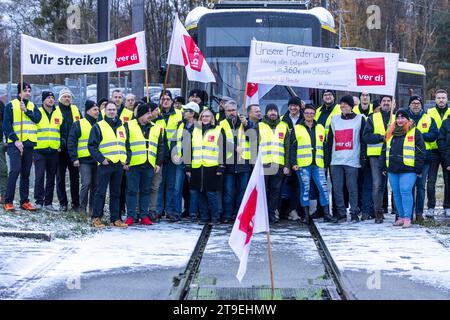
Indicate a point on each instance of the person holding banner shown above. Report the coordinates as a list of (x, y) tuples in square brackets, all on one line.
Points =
[(273, 141), (19, 125), (107, 146), (374, 136), (50, 141), (308, 148), (347, 152), (70, 113), (80, 156)]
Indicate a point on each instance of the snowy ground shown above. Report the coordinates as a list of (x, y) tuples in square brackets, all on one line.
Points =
[(29, 267), (418, 254)]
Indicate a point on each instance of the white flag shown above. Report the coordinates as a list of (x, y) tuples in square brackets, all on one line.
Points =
[(252, 217), (255, 92), (184, 52)]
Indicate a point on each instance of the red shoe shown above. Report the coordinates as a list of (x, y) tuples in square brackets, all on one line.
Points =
[(28, 206), (9, 207), (129, 221), (146, 221)]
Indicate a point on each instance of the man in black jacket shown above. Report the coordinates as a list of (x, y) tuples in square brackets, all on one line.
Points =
[(3, 165), (80, 157), (443, 142)]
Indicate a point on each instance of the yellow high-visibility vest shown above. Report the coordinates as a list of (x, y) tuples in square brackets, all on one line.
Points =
[(304, 146), (138, 144), (356, 110), (205, 148), (272, 143), (82, 148), (75, 113), (409, 149), (171, 126), (378, 128), (336, 111), (48, 132), (29, 128), (125, 116), (112, 146), (423, 126), (434, 113), (242, 141)]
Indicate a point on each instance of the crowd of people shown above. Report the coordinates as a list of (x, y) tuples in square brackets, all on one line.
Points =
[(181, 160)]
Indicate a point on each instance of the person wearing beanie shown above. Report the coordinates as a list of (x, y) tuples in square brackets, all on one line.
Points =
[(327, 110), (374, 134), (440, 112), (106, 145), (179, 102), (221, 114), (427, 126), (70, 113), (172, 118), (80, 156), (50, 141), (403, 157), (348, 154), (102, 103), (292, 117), (20, 121), (273, 140), (365, 107), (145, 154)]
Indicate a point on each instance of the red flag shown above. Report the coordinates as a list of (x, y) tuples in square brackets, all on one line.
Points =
[(252, 217), (255, 92)]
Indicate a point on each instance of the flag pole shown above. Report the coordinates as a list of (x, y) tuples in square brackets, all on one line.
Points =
[(146, 85), (21, 112), (270, 264)]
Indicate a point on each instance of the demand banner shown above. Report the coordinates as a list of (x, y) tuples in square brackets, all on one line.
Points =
[(43, 57), (322, 68)]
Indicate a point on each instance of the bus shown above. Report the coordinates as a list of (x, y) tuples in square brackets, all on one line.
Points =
[(224, 33), (410, 81)]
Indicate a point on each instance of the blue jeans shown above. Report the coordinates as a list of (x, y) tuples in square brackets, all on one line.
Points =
[(402, 185), (317, 174), (139, 182), (166, 201), (178, 189), (208, 205), (419, 190), (193, 204), (234, 189)]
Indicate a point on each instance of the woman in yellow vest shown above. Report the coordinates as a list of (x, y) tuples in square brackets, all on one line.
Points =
[(145, 153), (207, 166), (404, 156), (107, 146)]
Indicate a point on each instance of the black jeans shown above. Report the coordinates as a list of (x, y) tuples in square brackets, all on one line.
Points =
[(45, 166), (65, 163), (111, 175), (19, 165), (88, 173), (273, 191), (436, 161)]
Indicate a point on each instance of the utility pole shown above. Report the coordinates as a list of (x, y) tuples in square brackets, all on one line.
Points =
[(340, 24), (102, 35), (137, 20), (11, 42)]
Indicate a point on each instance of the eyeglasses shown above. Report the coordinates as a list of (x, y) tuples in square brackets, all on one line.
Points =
[(309, 113)]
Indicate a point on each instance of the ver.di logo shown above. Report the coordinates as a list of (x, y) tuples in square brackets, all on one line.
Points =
[(127, 53)]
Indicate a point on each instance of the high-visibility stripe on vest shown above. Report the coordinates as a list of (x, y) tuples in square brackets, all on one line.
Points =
[(29, 128), (423, 126), (48, 132), (75, 113), (356, 110), (409, 149), (205, 148), (138, 144), (171, 126), (434, 113), (82, 148), (242, 141), (378, 128), (180, 131), (112, 146), (336, 111), (272, 143), (304, 146)]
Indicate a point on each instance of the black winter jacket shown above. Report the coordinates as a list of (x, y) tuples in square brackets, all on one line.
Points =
[(443, 141)]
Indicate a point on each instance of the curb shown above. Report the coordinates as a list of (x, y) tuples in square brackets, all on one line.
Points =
[(39, 235)]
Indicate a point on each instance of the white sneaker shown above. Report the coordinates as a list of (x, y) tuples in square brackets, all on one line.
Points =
[(293, 215), (430, 213), (50, 208), (447, 213)]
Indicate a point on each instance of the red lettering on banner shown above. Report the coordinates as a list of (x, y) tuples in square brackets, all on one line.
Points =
[(210, 138), (370, 72), (410, 138), (127, 53), (343, 139), (57, 121), (193, 55)]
